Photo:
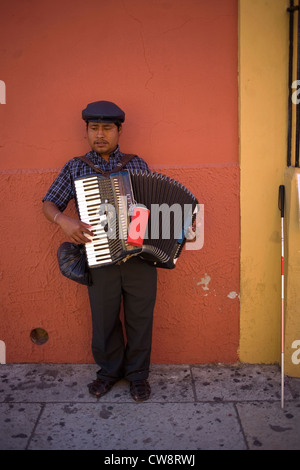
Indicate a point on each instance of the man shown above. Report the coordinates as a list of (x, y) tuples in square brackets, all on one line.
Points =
[(133, 281)]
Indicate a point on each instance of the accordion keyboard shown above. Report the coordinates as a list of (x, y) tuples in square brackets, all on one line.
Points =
[(89, 201)]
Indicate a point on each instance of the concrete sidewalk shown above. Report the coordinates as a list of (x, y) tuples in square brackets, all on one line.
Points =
[(192, 407)]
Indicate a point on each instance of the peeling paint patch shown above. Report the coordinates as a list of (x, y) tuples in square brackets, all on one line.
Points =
[(232, 295), (204, 282)]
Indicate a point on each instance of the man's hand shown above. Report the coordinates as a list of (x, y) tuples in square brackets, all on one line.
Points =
[(77, 231), (192, 232)]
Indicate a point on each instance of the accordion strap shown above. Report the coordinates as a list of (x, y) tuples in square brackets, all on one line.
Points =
[(125, 159)]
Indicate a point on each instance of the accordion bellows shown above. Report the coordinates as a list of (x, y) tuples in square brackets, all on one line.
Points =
[(107, 205)]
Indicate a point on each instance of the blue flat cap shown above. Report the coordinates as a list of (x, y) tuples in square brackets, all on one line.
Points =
[(103, 111)]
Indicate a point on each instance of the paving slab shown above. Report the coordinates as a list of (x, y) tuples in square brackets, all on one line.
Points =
[(156, 426), (268, 427), (68, 383), (293, 383), (240, 382), (17, 422), (45, 382)]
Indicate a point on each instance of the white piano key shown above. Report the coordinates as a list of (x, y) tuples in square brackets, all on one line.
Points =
[(89, 202)]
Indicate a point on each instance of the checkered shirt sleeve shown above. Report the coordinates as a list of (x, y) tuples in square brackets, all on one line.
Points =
[(62, 189)]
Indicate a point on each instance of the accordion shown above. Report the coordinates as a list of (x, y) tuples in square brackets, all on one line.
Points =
[(109, 203)]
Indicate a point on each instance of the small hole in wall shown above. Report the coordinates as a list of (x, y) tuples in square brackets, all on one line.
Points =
[(39, 336)]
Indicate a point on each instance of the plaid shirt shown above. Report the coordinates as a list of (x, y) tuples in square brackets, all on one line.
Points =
[(62, 189)]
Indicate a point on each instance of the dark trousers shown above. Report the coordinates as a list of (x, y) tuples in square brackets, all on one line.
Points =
[(135, 281)]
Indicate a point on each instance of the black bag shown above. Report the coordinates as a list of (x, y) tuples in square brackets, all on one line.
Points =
[(73, 263)]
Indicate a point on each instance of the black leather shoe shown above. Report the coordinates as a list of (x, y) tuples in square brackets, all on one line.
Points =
[(140, 390)]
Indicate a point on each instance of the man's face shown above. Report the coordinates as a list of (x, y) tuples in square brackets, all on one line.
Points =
[(103, 137)]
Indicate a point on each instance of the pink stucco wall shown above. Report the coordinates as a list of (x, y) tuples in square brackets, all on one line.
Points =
[(172, 66)]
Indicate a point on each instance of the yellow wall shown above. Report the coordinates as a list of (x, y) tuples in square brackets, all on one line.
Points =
[(263, 62)]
